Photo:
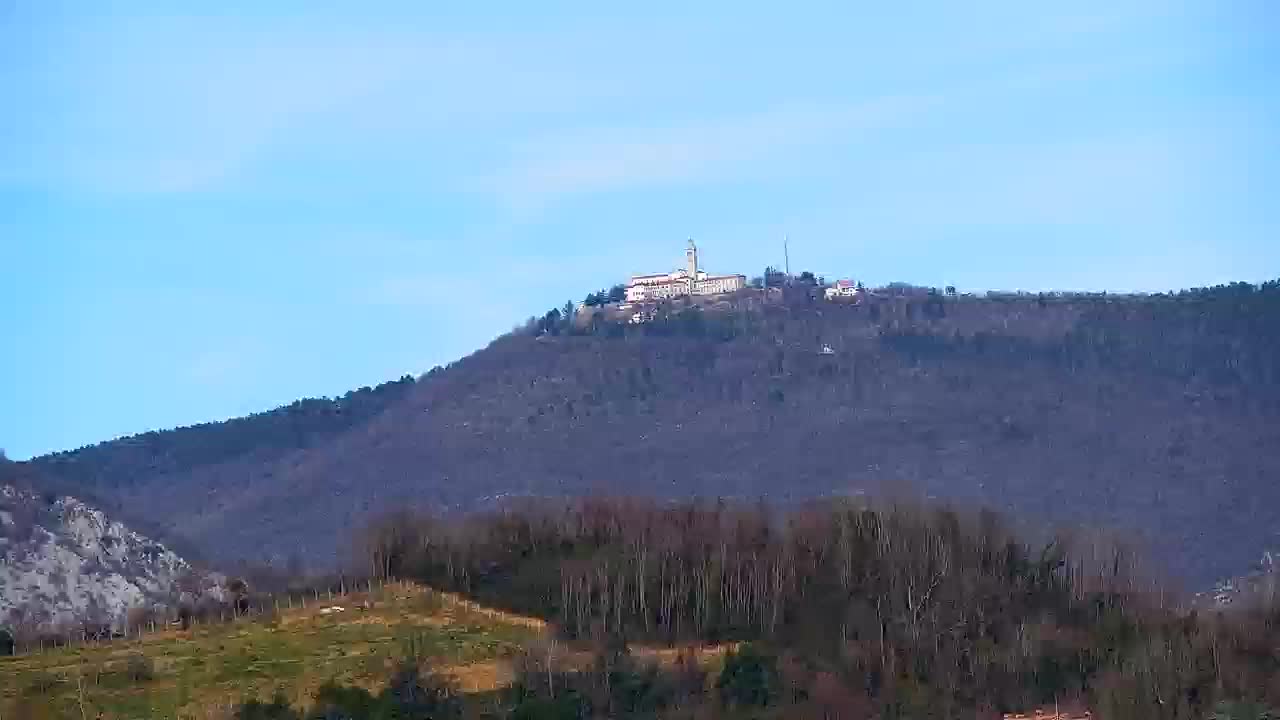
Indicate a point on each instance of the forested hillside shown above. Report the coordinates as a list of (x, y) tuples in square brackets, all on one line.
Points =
[(297, 425), (1155, 415), (896, 611), (105, 472)]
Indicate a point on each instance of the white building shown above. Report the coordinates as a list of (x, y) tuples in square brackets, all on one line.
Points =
[(642, 316), (688, 281), (843, 289)]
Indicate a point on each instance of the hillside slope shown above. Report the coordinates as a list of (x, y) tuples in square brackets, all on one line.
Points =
[(1158, 416), (188, 673)]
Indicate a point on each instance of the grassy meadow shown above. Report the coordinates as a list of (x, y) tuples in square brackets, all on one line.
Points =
[(202, 672)]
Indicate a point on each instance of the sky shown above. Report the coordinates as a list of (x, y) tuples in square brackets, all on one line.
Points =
[(203, 216)]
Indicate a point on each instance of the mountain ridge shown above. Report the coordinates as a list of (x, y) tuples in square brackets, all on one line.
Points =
[(1150, 415)]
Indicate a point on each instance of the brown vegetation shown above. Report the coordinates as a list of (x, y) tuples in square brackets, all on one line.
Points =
[(916, 611)]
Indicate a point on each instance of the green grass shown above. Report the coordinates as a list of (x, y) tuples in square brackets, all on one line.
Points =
[(196, 671)]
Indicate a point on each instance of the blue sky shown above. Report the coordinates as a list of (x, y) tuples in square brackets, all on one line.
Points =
[(207, 215)]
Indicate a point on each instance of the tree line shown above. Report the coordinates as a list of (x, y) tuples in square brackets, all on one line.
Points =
[(914, 611)]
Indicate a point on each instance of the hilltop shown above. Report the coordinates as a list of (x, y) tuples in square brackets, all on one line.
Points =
[(1157, 416)]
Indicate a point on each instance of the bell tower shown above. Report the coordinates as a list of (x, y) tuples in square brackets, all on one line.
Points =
[(691, 264)]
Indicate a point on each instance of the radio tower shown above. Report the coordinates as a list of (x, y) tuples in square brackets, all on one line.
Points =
[(786, 257)]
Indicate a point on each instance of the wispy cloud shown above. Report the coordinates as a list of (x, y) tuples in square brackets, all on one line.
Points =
[(743, 147), (156, 106), (160, 111)]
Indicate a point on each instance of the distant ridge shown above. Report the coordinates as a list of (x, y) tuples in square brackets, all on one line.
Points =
[(1155, 415)]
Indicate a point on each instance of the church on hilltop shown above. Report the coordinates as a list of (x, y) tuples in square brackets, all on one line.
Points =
[(687, 281)]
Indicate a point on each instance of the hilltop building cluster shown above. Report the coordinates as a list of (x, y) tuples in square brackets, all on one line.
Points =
[(843, 289), (638, 300), (689, 280)]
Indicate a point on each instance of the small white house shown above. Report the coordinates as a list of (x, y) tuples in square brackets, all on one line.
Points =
[(843, 289), (643, 315)]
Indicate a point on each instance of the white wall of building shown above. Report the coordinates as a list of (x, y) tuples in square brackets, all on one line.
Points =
[(648, 288)]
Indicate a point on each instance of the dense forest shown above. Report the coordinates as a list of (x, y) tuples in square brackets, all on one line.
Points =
[(849, 610), (1155, 416)]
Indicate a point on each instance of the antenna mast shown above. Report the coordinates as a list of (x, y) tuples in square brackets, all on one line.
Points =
[(786, 256)]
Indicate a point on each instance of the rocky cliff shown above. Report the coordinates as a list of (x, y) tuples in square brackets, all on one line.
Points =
[(62, 561)]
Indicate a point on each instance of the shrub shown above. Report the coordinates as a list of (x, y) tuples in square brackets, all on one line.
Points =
[(277, 709), (410, 694), (41, 683), (336, 701), (750, 677), (139, 668)]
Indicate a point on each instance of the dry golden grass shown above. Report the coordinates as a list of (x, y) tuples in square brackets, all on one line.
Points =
[(203, 672), (213, 666)]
